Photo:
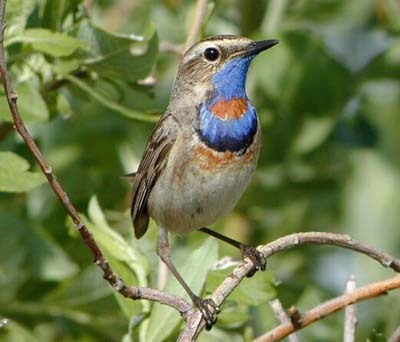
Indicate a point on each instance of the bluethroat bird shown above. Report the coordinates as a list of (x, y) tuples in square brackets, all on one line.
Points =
[(203, 152)]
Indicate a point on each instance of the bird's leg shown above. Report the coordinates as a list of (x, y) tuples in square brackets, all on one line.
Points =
[(247, 251), (203, 305)]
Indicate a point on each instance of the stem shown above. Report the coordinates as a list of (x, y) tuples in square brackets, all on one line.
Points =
[(200, 12), (350, 318), (280, 313), (333, 305), (219, 296)]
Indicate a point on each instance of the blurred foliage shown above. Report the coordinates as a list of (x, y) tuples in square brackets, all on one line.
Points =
[(92, 80)]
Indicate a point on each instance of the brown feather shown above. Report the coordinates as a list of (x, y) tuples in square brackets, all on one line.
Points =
[(152, 164)]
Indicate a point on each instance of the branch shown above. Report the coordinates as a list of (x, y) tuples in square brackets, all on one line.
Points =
[(88, 5), (333, 305), (280, 313), (200, 12), (323, 238), (396, 336), (350, 318), (115, 281), (192, 329)]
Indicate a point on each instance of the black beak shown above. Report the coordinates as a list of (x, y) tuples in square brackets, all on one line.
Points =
[(257, 47)]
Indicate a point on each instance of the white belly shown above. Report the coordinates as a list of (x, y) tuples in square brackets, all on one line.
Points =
[(195, 191)]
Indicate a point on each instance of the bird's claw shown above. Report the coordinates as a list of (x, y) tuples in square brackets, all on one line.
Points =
[(208, 309), (256, 257)]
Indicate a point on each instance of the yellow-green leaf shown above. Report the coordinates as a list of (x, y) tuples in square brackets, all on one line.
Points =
[(31, 105), (52, 43), (14, 174)]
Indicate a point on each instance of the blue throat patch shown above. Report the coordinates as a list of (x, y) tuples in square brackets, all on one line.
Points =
[(228, 121), (227, 135)]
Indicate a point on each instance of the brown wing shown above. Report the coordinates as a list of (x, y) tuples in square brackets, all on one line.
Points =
[(153, 162)]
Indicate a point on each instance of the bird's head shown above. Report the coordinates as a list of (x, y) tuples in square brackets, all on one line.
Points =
[(220, 62)]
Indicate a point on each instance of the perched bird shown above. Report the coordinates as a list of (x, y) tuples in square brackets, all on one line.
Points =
[(203, 152)]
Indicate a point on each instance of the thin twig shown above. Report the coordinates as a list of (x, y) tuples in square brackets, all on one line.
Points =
[(323, 238), (280, 313), (89, 5), (115, 281), (396, 336), (279, 245), (295, 316), (333, 305), (167, 46), (350, 313), (200, 12), (114, 17)]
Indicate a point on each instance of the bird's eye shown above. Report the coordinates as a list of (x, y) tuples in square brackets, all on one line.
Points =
[(211, 54)]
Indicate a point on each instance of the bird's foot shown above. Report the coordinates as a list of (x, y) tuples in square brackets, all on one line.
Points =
[(256, 257), (208, 309)]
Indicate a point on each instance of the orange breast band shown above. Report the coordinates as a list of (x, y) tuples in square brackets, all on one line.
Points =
[(230, 109)]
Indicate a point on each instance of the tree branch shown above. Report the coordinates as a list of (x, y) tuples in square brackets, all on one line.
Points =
[(350, 318), (89, 5), (396, 336), (192, 330), (333, 305), (200, 12), (115, 281), (323, 238), (280, 313)]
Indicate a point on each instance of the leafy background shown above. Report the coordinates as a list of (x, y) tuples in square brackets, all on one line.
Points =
[(91, 84)]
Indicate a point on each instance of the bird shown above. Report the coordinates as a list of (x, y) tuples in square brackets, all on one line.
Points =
[(202, 153)]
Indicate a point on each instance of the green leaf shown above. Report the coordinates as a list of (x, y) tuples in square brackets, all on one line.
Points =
[(88, 287), (130, 308), (116, 244), (256, 290), (313, 133), (52, 43), (48, 260), (383, 97), (17, 14), (13, 272), (13, 331), (233, 316), (118, 56), (65, 66), (163, 319), (127, 262), (110, 103), (14, 176), (63, 106), (55, 12), (220, 335), (31, 105), (353, 48)]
